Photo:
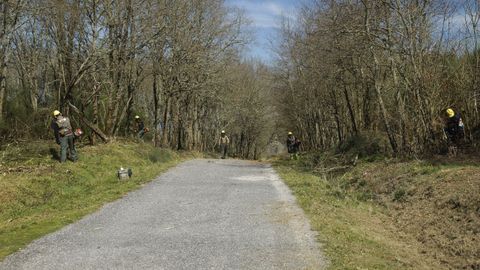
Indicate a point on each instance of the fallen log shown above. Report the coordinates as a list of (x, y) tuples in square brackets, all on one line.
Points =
[(89, 124)]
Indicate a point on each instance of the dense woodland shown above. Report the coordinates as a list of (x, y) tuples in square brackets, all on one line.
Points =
[(177, 64), (383, 69)]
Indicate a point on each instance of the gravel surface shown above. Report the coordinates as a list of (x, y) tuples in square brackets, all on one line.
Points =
[(203, 214)]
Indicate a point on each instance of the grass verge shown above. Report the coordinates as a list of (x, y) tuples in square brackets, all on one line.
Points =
[(38, 195), (356, 232)]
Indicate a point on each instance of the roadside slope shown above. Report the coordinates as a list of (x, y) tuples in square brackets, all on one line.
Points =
[(391, 214)]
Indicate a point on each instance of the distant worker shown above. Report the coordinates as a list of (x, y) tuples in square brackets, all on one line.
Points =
[(224, 142), (64, 136), (140, 128), (293, 146), (454, 129)]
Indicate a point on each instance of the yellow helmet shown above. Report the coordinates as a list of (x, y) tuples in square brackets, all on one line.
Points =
[(223, 131), (56, 113), (450, 113), (137, 117), (290, 133)]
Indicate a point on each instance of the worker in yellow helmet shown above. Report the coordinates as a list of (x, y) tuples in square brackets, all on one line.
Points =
[(224, 142), (454, 127), (293, 145), (140, 128), (64, 136)]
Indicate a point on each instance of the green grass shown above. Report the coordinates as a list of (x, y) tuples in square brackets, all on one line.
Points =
[(38, 195), (355, 232)]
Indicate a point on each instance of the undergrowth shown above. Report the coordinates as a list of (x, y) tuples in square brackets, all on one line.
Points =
[(385, 213)]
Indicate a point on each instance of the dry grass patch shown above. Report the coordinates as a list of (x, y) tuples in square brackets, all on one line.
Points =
[(392, 215)]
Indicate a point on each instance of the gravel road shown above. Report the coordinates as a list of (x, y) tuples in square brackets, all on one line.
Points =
[(203, 214)]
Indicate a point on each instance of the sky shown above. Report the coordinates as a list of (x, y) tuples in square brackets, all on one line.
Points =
[(265, 17)]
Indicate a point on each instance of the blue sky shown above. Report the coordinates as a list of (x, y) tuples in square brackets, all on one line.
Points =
[(265, 16)]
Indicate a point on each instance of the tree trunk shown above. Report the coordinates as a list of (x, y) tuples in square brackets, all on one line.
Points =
[(391, 136), (156, 110), (165, 122), (92, 126), (350, 110), (3, 86)]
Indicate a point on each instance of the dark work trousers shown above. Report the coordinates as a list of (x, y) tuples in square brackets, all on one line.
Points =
[(67, 143), (140, 135), (224, 149)]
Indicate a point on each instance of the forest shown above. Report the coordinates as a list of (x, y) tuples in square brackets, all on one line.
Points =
[(176, 64), (382, 70), (385, 70)]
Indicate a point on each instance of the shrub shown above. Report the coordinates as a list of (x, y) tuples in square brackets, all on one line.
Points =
[(160, 155), (363, 145), (399, 195)]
